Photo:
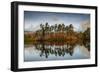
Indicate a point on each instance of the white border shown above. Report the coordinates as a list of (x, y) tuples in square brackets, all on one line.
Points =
[(22, 64)]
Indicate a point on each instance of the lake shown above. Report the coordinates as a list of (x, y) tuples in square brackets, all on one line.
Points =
[(47, 52)]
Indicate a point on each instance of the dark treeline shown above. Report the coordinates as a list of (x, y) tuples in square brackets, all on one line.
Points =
[(57, 33)]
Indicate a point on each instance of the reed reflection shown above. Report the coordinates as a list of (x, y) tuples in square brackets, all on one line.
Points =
[(57, 49)]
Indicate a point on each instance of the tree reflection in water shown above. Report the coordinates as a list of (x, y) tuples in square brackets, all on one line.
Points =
[(58, 49)]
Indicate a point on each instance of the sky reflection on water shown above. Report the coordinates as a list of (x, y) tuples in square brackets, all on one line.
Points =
[(42, 52)]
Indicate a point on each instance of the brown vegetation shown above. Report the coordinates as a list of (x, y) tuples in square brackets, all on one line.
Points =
[(59, 33)]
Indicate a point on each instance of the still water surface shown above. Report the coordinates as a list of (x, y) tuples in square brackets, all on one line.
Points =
[(45, 52)]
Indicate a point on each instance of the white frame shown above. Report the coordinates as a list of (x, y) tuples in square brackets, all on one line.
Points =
[(23, 64)]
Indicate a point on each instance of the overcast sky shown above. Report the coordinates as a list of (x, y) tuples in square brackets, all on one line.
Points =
[(33, 19)]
